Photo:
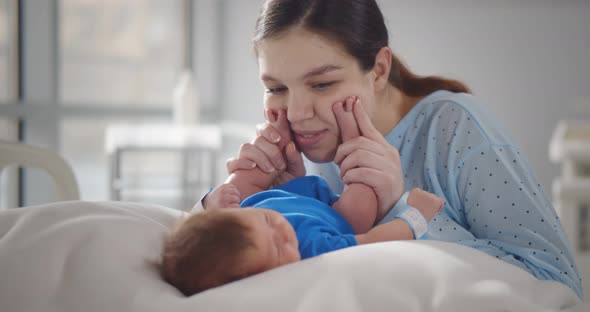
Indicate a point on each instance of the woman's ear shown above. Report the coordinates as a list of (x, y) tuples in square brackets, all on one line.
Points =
[(382, 68)]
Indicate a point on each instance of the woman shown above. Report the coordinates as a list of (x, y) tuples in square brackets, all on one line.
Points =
[(416, 132)]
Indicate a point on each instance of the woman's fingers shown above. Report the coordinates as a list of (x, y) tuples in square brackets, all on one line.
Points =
[(374, 178), (233, 164), (364, 123), (363, 158), (269, 151), (388, 185), (255, 154), (295, 167), (272, 153), (276, 129), (268, 132), (350, 146)]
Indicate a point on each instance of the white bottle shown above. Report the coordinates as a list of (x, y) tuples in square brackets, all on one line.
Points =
[(186, 100)]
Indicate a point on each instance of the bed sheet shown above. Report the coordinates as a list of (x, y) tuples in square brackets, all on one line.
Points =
[(103, 256)]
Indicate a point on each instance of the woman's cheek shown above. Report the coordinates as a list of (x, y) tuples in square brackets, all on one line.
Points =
[(345, 90), (368, 102), (273, 102)]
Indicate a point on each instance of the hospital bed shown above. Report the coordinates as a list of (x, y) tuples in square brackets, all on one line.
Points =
[(17, 154), (103, 256)]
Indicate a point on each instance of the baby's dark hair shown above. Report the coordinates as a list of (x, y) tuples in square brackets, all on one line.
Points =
[(204, 251)]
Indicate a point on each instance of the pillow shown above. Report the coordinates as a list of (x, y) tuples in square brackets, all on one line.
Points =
[(103, 256)]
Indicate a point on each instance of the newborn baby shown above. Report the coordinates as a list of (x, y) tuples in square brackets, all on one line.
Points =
[(276, 227)]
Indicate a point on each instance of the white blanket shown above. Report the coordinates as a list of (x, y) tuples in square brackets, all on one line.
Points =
[(102, 256)]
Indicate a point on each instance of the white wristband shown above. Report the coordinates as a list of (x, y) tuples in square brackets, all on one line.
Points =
[(413, 217)]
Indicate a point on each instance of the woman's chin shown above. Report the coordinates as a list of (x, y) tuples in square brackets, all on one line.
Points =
[(320, 156)]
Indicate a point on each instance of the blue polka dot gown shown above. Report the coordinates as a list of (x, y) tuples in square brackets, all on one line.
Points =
[(449, 145)]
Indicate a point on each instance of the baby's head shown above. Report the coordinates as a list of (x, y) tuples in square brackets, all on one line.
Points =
[(212, 248)]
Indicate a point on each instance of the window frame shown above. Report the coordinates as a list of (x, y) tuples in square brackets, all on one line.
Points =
[(38, 107)]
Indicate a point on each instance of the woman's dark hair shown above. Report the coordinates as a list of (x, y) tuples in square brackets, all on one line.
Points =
[(357, 25)]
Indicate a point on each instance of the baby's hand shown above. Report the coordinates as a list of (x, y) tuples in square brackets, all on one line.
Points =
[(224, 196), (427, 203)]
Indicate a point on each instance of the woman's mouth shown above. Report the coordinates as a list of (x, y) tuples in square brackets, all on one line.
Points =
[(307, 139)]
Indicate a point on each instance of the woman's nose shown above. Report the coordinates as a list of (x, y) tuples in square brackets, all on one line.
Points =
[(299, 108)]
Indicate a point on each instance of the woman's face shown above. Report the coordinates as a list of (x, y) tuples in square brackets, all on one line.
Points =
[(305, 74)]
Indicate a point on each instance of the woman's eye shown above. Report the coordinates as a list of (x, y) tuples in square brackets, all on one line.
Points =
[(323, 85), (275, 90)]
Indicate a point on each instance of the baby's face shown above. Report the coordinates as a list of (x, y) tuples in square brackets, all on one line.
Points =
[(275, 240)]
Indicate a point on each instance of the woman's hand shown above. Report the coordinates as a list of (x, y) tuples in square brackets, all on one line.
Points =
[(370, 159), (272, 150)]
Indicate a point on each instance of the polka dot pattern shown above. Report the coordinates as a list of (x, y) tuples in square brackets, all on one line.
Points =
[(451, 147)]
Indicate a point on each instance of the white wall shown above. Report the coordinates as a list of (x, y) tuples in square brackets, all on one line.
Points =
[(526, 59)]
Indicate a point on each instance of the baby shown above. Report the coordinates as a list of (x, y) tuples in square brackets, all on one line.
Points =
[(291, 222)]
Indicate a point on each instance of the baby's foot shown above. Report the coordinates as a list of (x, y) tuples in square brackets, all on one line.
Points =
[(224, 196), (427, 203), (279, 121)]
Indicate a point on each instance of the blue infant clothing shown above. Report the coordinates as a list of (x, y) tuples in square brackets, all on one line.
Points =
[(450, 146), (306, 202)]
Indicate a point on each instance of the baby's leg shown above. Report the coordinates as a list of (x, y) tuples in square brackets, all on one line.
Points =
[(358, 202), (250, 181)]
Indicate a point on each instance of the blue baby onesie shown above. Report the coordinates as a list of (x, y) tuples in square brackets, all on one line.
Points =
[(306, 202), (450, 146)]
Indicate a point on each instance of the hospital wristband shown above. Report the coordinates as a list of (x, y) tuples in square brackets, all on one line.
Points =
[(412, 216)]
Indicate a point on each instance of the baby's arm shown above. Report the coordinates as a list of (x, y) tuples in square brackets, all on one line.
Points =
[(427, 203), (223, 196), (250, 181)]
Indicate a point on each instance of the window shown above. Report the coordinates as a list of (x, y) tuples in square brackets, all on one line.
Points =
[(120, 53), (90, 63), (119, 61)]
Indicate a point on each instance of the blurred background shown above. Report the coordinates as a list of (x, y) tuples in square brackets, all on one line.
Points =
[(97, 81)]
